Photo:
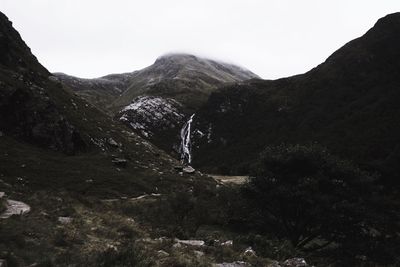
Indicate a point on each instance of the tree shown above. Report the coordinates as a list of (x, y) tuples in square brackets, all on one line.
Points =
[(303, 193)]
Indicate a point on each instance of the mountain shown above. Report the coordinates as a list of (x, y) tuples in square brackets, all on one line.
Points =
[(79, 188), (156, 101), (79, 176), (186, 78), (349, 104), (44, 124)]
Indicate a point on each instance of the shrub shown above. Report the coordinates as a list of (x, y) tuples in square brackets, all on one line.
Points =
[(314, 199)]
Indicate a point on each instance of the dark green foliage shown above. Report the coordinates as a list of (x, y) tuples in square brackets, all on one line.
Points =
[(316, 200)]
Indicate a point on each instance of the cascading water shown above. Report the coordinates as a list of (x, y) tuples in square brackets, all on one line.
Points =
[(186, 146)]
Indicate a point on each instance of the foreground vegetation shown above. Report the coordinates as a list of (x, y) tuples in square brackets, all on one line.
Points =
[(300, 202)]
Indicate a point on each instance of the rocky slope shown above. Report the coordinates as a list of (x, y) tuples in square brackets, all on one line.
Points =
[(156, 101), (348, 103)]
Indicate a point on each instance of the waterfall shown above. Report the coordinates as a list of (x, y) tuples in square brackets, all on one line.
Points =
[(186, 146)]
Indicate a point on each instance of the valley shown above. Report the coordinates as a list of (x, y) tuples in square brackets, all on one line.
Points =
[(196, 162)]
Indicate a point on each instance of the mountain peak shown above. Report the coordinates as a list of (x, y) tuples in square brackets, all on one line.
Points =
[(176, 56)]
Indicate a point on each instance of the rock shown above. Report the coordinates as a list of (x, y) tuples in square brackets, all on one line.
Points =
[(3, 263), (295, 262), (112, 142), (1, 134), (249, 252), (197, 243), (2, 194), (120, 162), (188, 169), (15, 208), (232, 264), (65, 220), (227, 243), (162, 253)]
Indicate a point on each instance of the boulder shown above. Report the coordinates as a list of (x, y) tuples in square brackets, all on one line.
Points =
[(249, 252), (188, 169), (232, 264), (295, 262), (198, 243)]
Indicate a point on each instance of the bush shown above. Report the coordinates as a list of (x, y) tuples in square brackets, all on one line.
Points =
[(314, 199)]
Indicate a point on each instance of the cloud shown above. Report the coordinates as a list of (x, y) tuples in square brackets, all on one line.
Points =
[(272, 38)]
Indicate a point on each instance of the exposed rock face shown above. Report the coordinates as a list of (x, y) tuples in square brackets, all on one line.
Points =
[(295, 262), (344, 104), (196, 243), (151, 115), (232, 264)]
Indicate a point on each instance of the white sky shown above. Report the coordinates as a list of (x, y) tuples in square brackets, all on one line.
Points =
[(273, 38)]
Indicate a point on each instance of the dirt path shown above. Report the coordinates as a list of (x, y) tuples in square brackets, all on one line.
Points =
[(15, 208)]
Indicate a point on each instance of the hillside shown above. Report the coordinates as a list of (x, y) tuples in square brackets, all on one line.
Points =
[(80, 189), (348, 104), (76, 169), (102, 91), (156, 101)]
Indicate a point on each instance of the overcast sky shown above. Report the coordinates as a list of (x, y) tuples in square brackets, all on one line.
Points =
[(273, 38)]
